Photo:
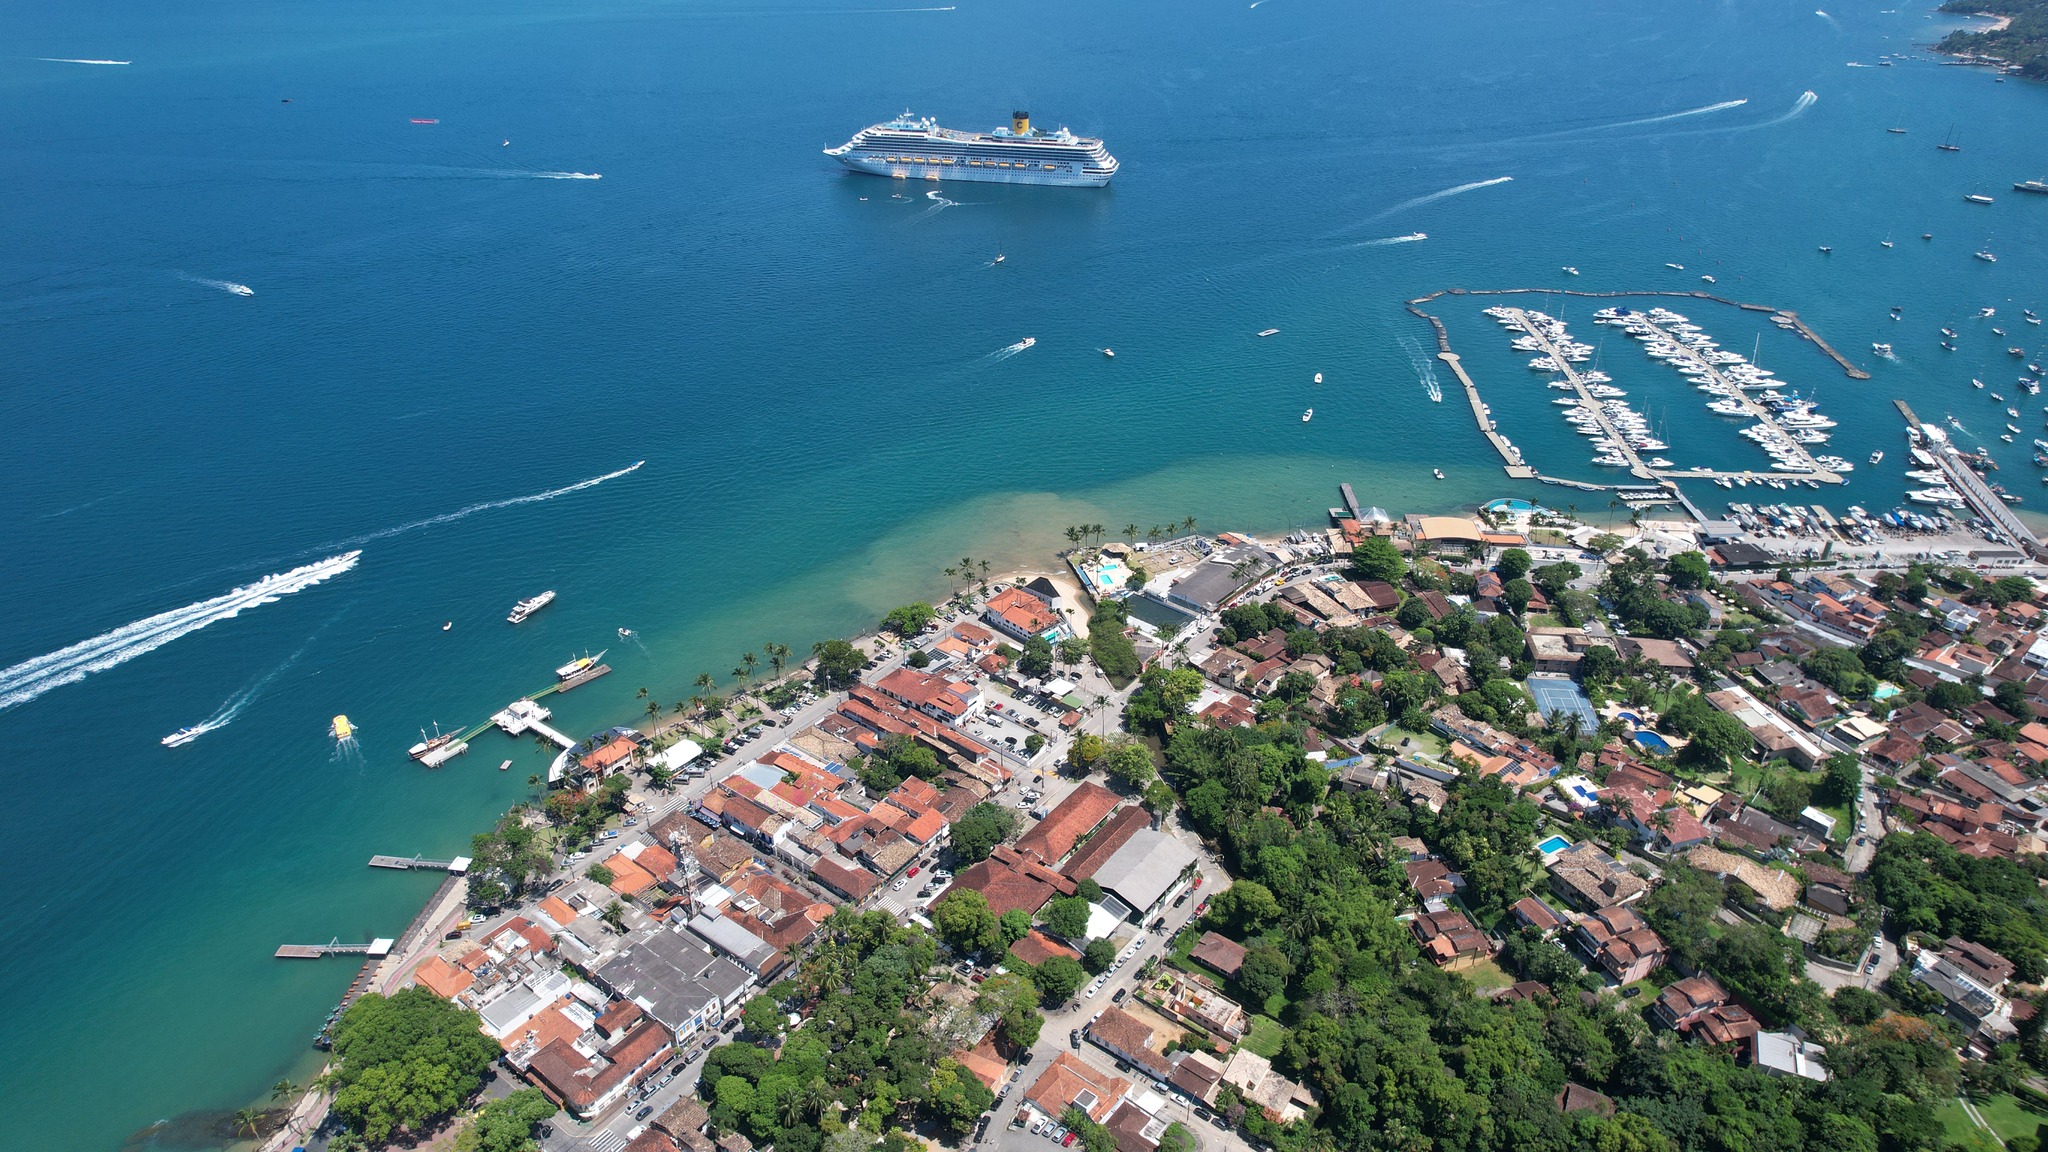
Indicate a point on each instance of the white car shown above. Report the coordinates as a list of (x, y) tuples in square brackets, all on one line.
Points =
[(898, 885)]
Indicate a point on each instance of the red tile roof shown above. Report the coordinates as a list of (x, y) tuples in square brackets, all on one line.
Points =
[(1063, 827)]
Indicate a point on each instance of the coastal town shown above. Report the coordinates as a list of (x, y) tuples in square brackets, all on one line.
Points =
[(1208, 841)]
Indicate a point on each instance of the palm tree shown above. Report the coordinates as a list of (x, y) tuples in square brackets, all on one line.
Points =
[(741, 674), (1097, 529), (640, 695), (653, 711), (1130, 532), (1073, 535), (705, 682), (778, 656), (533, 781), (984, 572), (681, 706), (953, 573), (792, 1108), (1155, 533), (248, 1120), (1188, 524), (283, 1090), (749, 661)]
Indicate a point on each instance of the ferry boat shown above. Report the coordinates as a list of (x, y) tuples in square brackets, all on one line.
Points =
[(578, 667), (525, 608), (917, 147)]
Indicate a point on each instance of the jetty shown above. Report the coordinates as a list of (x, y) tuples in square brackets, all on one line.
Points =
[(456, 867), (1970, 486), (381, 946), (525, 715), (582, 678)]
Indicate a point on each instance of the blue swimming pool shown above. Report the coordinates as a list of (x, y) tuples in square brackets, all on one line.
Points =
[(1554, 844), (1654, 742), (1630, 717)]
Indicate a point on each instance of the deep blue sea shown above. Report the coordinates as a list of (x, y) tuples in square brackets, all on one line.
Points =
[(444, 321)]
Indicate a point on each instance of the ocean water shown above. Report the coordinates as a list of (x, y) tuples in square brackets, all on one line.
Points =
[(807, 362)]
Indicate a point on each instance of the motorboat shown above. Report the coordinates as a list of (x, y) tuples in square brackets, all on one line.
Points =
[(1308, 415), (1439, 472), (1825, 250), (1269, 332), (1977, 198), (1110, 353), (1877, 456), (1319, 377), (181, 736), (1679, 267), (1986, 257)]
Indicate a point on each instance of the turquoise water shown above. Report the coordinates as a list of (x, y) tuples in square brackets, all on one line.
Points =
[(808, 366), (1554, 844)]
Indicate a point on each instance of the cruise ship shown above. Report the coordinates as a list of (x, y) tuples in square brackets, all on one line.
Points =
[(913, 147)]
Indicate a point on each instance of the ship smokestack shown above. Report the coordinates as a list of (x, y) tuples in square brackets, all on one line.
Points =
[(1020, 122)]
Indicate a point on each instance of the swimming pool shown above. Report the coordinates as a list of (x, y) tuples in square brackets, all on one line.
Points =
[(1654, 742), (1554, 844)]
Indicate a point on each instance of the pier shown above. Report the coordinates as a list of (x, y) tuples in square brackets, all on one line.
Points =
[(1971, 487), (379, 947), (457, 867), (523, 716), (1755, 411)]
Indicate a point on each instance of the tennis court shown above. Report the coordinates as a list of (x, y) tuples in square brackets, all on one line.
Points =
[(1562, 696)]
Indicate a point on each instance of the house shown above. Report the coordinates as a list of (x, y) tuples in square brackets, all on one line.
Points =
[(1532, 912), (1683, 1003), (1969, 1000), (1432, 879), (1829, 890), (941, 699), (1450, 939), (1987, 968), (1219, 954), (1666, 654), (1789, 1054), (1070, 1081), (1817, 821), (1282, 1100), (1008, 879), (1590, 879), (1139, 876), (590, 1084), (1023, 616), (1198, 1002), (1128, 1038), (1621, 943)]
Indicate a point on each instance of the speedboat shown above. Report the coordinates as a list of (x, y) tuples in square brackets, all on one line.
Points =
[(1881, 349), (1986, 257), (447, 624), (1877, 455), (1978, 198), (1269, 332), (1439, 472), (626, 633), (1708, 279), (1110, 353), (1986, 312), (1319, 377), (1308, 415), (181, 736), (1824, 249), (1680, 267), (1570, 271), (998, 260)]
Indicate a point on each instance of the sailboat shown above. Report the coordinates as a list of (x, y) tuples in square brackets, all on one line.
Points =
[(1949, 144)]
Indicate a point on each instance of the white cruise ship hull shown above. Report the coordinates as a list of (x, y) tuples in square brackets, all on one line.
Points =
[(1064, 175)]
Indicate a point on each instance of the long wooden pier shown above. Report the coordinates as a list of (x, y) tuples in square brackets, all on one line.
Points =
[(458, 866), (335, 947), (1971, 487)]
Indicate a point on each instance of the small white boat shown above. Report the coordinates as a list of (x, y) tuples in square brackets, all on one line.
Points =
[(508, 144), (181, 736), (998, 259), (1824, 249), (1570, 271), (1439, 472), (627, 633), (1986, 313), (1110, 353), (1680, 267), (1319, 377), (1988, 258), (1708, 279), (1307, 415), (1876, 456), (1269, 332), (447, 625)]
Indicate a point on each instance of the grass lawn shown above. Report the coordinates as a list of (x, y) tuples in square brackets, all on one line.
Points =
[(2009, 1117), (1963, 1131), (1406, 743), (1265, 1036), (1486, 976)]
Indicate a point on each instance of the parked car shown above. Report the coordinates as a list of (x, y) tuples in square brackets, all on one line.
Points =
[(1067, 1141), (1074, 1038), (1037, 1126), (1119, 997), (914, 870), (644, 1113)]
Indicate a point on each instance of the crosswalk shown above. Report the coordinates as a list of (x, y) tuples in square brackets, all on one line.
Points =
[(609, 1140)]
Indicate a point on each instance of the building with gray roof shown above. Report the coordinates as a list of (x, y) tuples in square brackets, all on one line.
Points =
[(1143, 871), (676, 980)]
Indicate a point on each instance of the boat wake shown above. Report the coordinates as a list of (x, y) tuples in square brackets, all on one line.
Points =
[(1383, 241), (62, 60), (233, 705), (31, 678), (1445, 194), (1425, 368), (939, 204), (1703, 110), (566, 175), (1828, 18), (228, 286), (1807, 99), (1005, 353), (486, 506)]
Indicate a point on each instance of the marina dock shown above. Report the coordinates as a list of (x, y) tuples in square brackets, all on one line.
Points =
[(1970, 486), (1511, 456), (378, 947)]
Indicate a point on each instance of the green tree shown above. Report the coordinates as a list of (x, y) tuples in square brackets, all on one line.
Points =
[(600, 873), (980, 829), (1129, 762), (1687, 570), (909, 619), (1516, 594), (507, 1124), (1013, 925), (1099, 955), (1377, 559), (1554, 579), (1265, 972), (1113, 651), (1841, 782), (1513, 562), (963, 919), (404, 1061), (957, 1097), (1177, 1138), (1065, 916), (839, 663), (1058, 977), (1036, 659)]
